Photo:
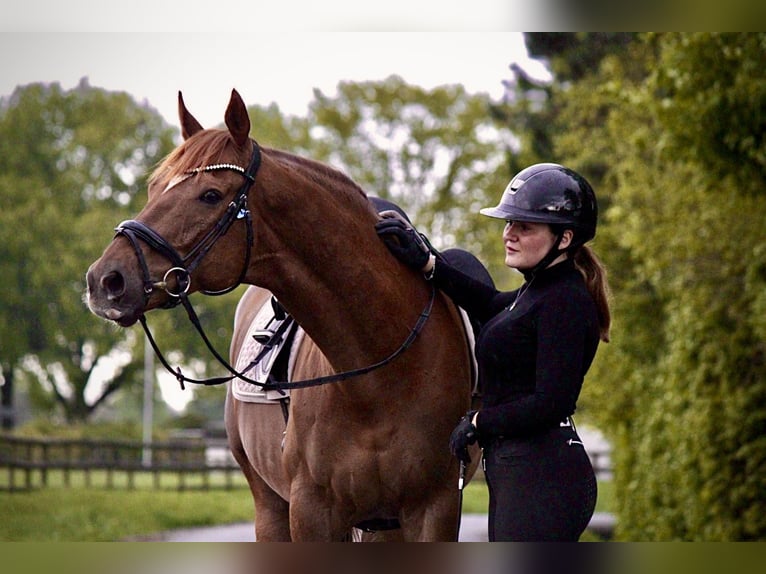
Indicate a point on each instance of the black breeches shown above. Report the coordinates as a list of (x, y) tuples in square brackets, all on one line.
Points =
[(540, 489)]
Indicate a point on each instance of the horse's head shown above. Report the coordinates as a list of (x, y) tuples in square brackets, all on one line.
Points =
[(194, 234)]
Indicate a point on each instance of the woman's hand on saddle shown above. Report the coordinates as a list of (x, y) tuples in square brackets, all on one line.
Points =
[(464, 435), (404, 241)]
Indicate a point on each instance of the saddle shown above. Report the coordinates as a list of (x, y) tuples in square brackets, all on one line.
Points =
[(274, 338)]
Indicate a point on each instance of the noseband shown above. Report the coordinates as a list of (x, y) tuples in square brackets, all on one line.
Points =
[(182, 267)]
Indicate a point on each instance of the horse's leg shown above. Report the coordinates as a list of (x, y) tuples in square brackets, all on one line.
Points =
[(434, 519), (430, 525), (271, 510), (312, 518)]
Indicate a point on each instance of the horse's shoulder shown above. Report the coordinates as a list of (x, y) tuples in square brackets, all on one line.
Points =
[(309, 361)]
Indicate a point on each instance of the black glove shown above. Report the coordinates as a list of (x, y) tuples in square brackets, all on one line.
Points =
[(404, 241), (464, 435)]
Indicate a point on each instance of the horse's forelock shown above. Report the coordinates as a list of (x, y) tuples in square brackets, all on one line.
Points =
[(201, 149)]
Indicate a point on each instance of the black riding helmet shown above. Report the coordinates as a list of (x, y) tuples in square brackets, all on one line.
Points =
[(553, 194)]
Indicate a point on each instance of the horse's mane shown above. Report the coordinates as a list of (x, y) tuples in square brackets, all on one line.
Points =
[(209, 146), (317, 171)]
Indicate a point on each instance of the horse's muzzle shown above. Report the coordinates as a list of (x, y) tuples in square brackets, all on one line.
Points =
[(113, 296)]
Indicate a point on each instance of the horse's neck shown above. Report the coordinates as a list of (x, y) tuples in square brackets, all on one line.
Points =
[(353, 309), (339, 282)]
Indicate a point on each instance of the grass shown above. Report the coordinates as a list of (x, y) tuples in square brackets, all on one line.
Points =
[(84, 512), (120, 479), (95, 514)]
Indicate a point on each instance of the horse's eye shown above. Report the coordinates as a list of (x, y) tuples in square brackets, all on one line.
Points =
[(210, 196)]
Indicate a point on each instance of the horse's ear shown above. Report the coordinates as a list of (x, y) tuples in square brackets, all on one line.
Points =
[(189, 124), (237, 119)]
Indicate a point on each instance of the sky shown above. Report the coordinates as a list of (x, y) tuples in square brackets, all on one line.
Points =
[(283, 68), (251, 17)]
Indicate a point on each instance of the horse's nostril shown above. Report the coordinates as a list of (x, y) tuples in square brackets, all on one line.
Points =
[(114, 285)]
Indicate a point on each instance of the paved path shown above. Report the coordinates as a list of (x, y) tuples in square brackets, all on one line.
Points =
[(473, 528)]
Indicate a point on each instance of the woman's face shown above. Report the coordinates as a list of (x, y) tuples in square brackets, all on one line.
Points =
[(526, 243)]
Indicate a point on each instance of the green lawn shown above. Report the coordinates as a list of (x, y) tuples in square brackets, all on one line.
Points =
[(94, 514)]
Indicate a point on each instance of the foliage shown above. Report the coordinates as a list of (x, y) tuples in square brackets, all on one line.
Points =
[(69, 161), (710, 96), (441, 154), (669, 128)]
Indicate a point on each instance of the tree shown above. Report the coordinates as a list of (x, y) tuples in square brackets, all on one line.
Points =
[(701, 257), (710, 92), (70, 162), (440, 154), (670, 126)]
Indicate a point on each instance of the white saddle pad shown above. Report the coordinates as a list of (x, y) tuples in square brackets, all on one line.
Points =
[(248, 392)]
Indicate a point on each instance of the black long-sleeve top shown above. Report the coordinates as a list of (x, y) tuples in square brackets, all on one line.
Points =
[(533, 357)]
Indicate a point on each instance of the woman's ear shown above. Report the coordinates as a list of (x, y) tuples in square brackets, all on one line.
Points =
[(566, 239)]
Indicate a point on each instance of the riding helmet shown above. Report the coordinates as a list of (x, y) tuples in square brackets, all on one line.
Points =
[(550, 193)]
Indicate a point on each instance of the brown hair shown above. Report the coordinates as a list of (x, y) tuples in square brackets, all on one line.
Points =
[(594, 273)]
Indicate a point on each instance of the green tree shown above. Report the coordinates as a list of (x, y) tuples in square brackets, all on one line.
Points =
[(71, 163), (441, 154), (710, 96), (670, 128), (702, 258)]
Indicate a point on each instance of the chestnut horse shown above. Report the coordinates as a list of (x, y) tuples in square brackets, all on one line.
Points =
[(367, 448)]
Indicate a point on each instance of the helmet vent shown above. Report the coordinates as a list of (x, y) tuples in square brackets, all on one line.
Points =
[(515, 185)]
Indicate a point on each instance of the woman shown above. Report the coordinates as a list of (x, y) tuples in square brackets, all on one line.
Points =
[(534, 349)]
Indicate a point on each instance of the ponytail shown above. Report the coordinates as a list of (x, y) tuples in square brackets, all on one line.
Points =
[(594, 273)]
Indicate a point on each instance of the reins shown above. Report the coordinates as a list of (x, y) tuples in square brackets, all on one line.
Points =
[(182, 268), (271, 383)]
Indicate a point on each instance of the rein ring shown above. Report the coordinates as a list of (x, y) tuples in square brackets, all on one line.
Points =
[(182, 277)]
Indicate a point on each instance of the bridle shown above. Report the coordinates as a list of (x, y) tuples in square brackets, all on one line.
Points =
[(182, 268)]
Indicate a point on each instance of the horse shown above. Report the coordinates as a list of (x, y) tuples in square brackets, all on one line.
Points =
[(365, 449)]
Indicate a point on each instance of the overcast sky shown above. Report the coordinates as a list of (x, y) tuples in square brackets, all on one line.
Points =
[(253, 17), (274, 67)]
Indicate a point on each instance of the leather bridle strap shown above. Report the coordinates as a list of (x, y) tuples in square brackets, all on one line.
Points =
[(272, 384), (342, 376), (182, 267), (134, 230)]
